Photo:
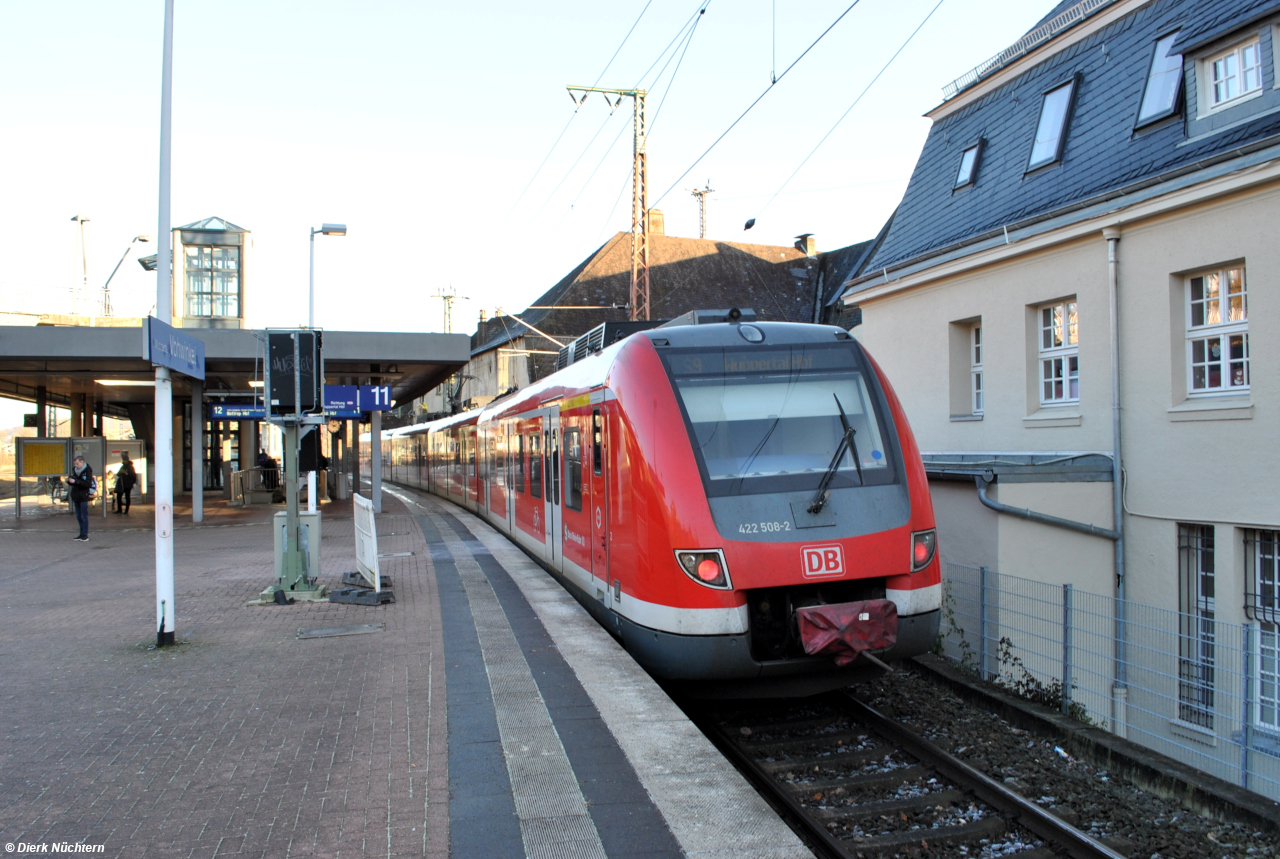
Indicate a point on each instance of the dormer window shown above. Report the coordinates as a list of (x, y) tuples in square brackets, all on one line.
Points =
[(1051, 132), (969, 161), (1235, 74), (1164, 82)]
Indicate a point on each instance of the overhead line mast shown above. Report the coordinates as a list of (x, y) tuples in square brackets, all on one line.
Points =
[(701, 194), (639, 194)]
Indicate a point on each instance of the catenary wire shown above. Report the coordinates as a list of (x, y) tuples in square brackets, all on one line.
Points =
[(547, 157), (694, 20), (865, 89), (688, 41), (767, 90)]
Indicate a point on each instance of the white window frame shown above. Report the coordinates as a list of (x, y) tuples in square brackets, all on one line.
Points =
[(1205, 328), (1058, 338), (1263, 568), (1226, 66), (1197, 633), (976, 389)]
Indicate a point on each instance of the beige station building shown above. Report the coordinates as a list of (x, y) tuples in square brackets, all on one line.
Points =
[(1078, 302)]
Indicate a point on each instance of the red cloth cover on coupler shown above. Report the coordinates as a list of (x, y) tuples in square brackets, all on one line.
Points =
[(846, 629)]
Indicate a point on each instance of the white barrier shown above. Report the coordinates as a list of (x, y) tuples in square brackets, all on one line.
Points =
[(367, 542)]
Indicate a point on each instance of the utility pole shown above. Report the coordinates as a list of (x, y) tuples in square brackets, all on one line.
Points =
[(449, 296), (702, 207), (639, 194)]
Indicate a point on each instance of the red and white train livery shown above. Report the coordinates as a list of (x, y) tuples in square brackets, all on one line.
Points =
[(698, 488)]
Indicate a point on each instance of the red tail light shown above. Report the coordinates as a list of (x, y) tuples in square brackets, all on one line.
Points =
[(705, 566), (924, 544)]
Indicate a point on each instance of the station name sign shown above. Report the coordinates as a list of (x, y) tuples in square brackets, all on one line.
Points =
[(167, 346)]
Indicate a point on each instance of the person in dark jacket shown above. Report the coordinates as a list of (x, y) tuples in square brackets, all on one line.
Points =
[(81, 482), (126, 479)]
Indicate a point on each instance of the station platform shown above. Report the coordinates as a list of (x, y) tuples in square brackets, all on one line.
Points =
[(483, 713)]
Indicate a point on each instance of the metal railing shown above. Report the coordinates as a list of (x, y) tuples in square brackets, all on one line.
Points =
[(1036, 37), (1196, 689)]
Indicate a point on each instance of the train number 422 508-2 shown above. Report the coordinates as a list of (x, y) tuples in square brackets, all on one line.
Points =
[(763, 527)]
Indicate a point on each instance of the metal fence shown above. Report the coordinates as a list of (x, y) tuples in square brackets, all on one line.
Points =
[(1189, 686)]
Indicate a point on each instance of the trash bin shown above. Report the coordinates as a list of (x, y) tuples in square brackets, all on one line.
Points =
[(310, 537), (343, 491)]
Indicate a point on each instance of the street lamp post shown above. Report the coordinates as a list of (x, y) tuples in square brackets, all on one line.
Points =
[(106, 287), (327, 230)]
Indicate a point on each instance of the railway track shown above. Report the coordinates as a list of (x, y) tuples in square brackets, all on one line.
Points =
[(860, 784)]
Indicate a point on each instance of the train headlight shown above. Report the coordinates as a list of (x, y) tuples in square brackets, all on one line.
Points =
[(924, 545), (705, 566)]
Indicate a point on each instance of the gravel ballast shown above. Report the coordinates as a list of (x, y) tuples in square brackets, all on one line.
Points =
[(1131, 821)]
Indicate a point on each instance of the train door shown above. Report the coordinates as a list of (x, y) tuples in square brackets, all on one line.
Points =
[(599, 511), (513, 450), (551, 447)]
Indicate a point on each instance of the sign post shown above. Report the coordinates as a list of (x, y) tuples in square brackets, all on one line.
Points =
[(295, 402)]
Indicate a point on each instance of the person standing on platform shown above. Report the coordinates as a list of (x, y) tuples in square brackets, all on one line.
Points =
[(126, 479), (82, 484)]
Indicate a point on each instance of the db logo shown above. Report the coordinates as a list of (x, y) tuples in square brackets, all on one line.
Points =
[(823, 561)]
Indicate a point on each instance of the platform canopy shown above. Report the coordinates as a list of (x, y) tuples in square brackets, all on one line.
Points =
[(72, 360)]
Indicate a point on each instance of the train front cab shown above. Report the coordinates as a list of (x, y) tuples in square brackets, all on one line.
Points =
[(668, 500)]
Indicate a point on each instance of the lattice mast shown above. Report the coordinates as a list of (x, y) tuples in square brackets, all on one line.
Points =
[(639, 193), (701, 194)]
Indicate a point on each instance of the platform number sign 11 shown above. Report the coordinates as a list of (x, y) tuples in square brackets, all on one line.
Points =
[(375, 398)]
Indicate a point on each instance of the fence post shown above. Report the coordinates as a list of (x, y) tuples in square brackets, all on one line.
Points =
[(1246, 716), (1066, 649), (982, 623)]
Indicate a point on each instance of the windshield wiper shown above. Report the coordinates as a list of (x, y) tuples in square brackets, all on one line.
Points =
[(846, 443)]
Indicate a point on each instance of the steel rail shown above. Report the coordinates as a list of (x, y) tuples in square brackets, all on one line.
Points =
[(1024, 812), (791, 811)]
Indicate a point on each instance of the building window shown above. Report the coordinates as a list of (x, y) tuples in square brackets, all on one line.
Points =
[(1059, 354), (1235, 74), (975, 368), (1164, 82), (1217, 332), (1196, 624), (1051, 132), (213, 281), (1262, 604), (969, 161)]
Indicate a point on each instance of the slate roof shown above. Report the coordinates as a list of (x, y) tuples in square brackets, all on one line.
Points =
[(1212, 19), (1103, 153), (684, 274)]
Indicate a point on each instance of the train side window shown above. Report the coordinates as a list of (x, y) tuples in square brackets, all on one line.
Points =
[(555, 467), (597, 439), (573, 469), (535, 465), (519, 465)]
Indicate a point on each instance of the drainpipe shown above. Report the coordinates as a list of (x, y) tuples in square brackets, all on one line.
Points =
[(1032, 516), (1119, 718)]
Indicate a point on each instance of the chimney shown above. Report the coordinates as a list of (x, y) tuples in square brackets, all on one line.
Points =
[(657, 223), (806, 244)]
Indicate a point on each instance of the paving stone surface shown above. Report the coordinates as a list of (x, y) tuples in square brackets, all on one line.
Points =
[(243, 739)]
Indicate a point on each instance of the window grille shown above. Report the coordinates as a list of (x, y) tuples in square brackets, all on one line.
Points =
[(1262, 575), (1196, 632)]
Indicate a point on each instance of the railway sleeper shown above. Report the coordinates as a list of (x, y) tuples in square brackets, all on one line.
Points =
[(858, 783), (819, 722), (966, 833), (839, 758), (951, 796), (853, 738)]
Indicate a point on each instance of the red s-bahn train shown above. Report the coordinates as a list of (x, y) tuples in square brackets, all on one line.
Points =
[(699, 488)]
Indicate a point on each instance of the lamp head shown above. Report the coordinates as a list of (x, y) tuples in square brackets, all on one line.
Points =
[(142, 238), (333, 229)]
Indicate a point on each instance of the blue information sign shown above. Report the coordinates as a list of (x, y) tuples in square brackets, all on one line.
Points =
[(237, 412), (167, 346), (340, 401)]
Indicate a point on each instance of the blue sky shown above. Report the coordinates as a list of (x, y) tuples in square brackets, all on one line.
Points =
[(420, 123)]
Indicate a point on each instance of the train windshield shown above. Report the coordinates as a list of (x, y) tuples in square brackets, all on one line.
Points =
[(768, 418)]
